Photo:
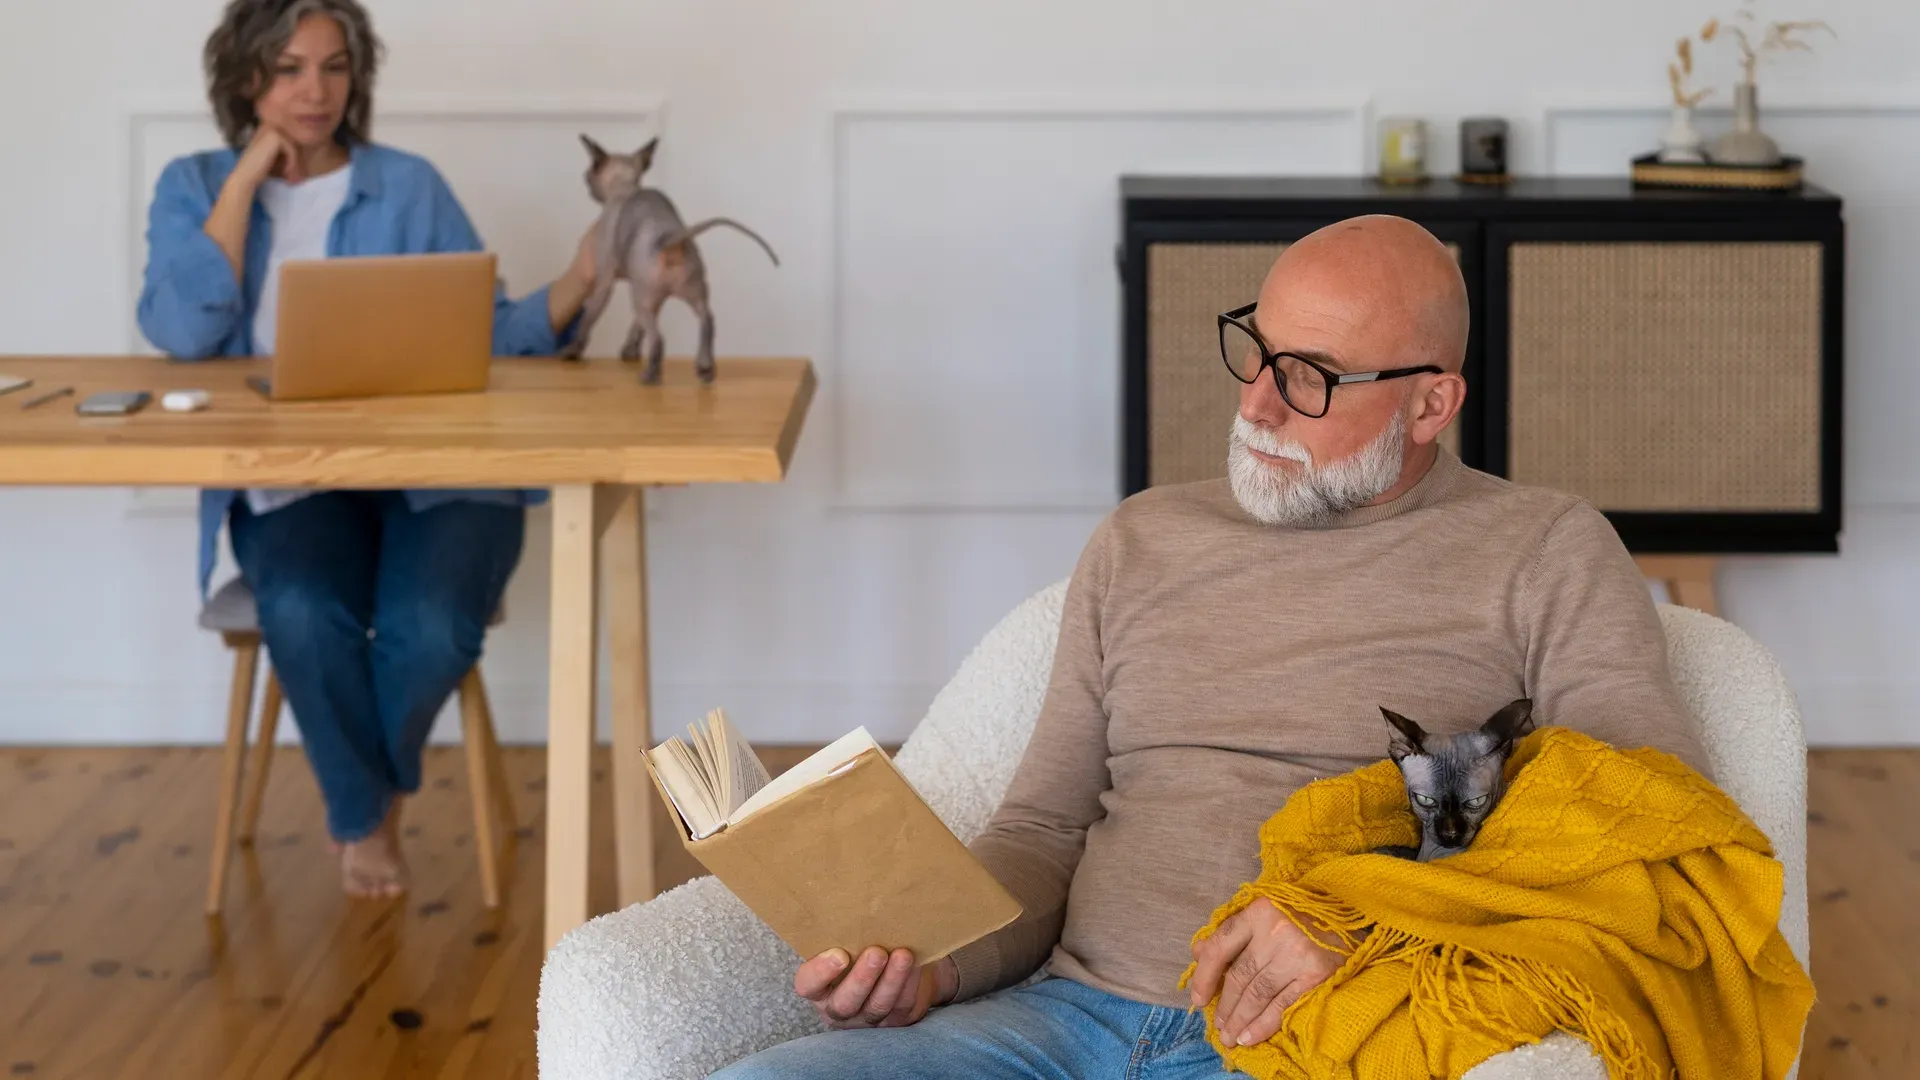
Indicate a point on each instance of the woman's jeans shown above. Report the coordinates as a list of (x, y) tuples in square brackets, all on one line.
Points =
[(1055, 1028), (372, 613)]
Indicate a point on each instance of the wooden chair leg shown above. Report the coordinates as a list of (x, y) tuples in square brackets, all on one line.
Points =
[(496, 766), (473, 725), (262, 760), (246, 655)]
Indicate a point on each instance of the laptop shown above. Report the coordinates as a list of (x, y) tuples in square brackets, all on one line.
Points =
[(371, 326)]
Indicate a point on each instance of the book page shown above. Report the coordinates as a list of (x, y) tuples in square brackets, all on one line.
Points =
[(741, 772), (838, 753), (686, 789), (709, 773), (707, 759)]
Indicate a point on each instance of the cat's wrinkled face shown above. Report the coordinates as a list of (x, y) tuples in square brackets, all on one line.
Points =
[(1455, 785), (1454, 781), (613, 177)]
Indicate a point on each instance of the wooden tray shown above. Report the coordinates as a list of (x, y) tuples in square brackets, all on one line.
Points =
[(1650, 171)]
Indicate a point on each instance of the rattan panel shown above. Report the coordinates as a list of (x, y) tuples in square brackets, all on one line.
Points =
[(1667, 376), (1191, 397)]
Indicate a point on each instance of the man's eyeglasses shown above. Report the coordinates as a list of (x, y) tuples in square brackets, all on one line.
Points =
[(1304, 384)]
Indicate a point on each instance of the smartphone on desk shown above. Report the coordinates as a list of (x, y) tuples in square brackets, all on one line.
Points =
[(113, 403)]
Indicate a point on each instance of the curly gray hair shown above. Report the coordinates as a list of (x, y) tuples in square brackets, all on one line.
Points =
[(241, 53)]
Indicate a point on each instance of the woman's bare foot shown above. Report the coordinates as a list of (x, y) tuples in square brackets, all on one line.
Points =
[(373, 867)]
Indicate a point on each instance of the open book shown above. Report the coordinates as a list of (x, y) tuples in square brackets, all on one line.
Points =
[(838, 851), (715, 779)]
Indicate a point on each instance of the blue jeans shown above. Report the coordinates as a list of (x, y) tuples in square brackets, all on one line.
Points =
[(372, 613), (1055, 1028)]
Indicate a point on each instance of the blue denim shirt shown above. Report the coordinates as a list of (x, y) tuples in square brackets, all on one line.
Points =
[(397, 203)]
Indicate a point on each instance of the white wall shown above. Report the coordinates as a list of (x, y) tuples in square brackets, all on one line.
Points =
[(946, 262)]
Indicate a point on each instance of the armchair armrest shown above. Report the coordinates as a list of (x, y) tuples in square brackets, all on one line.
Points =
[(671, 989), (1559, 1056)]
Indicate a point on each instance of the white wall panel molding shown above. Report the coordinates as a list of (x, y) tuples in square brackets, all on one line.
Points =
[(974, 345)]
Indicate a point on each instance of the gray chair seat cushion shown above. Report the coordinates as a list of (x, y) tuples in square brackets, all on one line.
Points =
[(231, 610)]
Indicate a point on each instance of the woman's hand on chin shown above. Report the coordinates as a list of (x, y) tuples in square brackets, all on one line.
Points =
[(265, 152)]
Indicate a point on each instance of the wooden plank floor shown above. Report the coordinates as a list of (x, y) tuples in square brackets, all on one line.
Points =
[(1863, 886), (108, 969)]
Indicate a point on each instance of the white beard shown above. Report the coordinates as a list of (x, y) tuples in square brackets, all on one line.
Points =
[(1274, 495)]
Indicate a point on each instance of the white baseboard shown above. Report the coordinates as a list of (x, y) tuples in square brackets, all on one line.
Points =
[(113, 714), (1860, 714), (765, 712), (194, 713)]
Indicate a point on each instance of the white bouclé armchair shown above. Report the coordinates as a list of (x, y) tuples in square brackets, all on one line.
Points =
[(690, 981)]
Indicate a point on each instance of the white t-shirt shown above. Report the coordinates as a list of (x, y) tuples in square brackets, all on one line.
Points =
[(302, 215)]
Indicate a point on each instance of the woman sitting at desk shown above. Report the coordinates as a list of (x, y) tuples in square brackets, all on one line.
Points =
[(373, 604)]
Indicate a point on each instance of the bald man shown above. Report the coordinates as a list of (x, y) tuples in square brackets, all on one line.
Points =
[(1228, 641)]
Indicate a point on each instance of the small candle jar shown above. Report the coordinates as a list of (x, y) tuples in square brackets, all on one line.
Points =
[(1403, 150), (1483, 150)]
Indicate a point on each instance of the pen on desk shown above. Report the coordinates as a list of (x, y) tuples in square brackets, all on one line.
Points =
[(46, 397)]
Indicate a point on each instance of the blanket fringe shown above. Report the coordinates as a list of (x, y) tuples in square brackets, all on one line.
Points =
[(1443, 976), (1442, 986)]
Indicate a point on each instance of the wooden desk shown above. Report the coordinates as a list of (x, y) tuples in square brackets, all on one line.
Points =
[(587, 431)]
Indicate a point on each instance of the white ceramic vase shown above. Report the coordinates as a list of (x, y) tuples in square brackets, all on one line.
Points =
[(1746, 144), (1682, 143)]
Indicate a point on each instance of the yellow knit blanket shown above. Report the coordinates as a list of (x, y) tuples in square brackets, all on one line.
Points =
[(1616, 895)]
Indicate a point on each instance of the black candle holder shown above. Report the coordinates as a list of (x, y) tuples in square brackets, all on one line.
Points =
[(1483, 150)]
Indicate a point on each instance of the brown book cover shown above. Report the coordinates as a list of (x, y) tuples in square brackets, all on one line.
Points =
[(854, 859)]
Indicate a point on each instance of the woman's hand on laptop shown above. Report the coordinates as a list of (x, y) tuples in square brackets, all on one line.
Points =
[(878, 989)]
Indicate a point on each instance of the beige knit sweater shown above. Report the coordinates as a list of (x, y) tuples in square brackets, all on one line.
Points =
[(1209, 665)]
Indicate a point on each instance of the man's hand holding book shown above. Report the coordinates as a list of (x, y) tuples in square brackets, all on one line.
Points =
[(880, 989)]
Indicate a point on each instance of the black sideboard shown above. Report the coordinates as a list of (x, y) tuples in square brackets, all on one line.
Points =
[(1672, 355)]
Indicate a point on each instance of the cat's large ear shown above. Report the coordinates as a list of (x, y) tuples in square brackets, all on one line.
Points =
[(1408, 737), (643, 157), (1512, 721), (594, 149)]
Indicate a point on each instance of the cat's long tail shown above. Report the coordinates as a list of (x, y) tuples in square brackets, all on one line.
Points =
[(697, 228)]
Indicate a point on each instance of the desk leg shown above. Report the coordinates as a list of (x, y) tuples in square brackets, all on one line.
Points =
[(571, 659), (624, 558)]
